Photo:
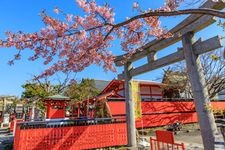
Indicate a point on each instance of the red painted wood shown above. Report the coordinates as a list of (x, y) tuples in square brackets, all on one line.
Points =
[(165, 136), (153, 107), (53, 112), (155, 144), (218, 105), (17, 135), (1, 116), (117, 108), (165, 107), (162, 113), (76, 137), (166, 119)]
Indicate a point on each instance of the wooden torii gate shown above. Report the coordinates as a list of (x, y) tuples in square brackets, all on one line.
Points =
[(184, 31)]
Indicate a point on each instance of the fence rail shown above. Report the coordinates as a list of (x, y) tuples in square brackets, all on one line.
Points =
[(156, 145), (68, 123)]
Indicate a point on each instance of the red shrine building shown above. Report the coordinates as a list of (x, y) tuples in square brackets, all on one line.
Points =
[(156, 111), (110, 103), (112, 98), (56, 106), (149, 90)]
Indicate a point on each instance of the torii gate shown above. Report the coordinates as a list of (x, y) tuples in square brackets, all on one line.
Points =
[(184, 31)]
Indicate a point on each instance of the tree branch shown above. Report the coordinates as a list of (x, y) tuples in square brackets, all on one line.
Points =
[(203, 11)]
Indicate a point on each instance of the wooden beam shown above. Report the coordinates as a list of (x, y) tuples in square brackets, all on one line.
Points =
[(192, 23), (199, 48), (208, 45)]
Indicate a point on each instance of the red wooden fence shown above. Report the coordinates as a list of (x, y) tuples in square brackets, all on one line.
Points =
[(71, 137), (159, 113)]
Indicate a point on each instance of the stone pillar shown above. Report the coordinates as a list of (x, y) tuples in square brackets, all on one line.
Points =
[(130, 118), (201, 98)]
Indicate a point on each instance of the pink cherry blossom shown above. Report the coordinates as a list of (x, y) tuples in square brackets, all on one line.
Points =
[(76, 42)]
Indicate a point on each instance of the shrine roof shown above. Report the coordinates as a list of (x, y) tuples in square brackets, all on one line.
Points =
[(57, 97)]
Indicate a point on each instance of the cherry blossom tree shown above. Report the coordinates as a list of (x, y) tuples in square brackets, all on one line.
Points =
[(79, 41)]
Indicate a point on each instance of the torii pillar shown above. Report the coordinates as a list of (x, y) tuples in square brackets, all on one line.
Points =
[(130, 119), (200, 93)]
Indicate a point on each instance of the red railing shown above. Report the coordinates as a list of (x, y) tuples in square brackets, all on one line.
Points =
[(74, 136), (165, 140), (13, 122), (156, 145)]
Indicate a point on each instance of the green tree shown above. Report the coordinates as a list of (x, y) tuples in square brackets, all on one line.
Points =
[(41, 88), (32, 90), (81, 91), (36, 90)]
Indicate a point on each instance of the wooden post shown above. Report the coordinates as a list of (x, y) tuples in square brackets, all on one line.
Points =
[(152, 56), (131, 130), (201, 98)]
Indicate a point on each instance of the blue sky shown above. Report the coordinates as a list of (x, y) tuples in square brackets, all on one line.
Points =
[(23, 15)]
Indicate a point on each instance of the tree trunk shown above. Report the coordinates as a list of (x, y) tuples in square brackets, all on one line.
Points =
[(201, 98), (131, 129)]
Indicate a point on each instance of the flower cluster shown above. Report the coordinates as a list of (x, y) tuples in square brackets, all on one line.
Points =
[(79, 41)]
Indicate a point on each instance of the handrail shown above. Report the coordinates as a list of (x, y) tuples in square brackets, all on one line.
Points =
[(157, 145)]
